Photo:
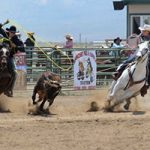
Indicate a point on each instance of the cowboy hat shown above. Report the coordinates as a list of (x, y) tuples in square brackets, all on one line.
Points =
[(12, 29), (118, 38), (146, 27), (30, 33), (68, 36)]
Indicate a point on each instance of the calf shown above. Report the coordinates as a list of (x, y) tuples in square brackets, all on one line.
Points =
[(47, 87)]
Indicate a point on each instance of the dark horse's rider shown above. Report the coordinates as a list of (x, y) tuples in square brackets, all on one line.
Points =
[(15, 45)]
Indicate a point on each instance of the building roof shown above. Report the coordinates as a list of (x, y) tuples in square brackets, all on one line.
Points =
[(119, 5), (126, 2)]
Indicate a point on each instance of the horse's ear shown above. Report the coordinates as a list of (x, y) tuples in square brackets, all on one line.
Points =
[(6, 44)]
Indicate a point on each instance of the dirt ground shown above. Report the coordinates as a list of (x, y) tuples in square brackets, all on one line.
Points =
[(71, 127)]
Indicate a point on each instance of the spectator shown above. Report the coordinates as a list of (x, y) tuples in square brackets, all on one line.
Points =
[(133, 41), (116, 44), (69, 44), (69, 41), (29, 43), (18, 34)]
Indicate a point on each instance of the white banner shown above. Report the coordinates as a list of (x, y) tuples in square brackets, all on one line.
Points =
[(84, 69)]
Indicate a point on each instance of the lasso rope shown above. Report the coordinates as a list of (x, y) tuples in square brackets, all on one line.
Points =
[(3, 39), (40, 49)]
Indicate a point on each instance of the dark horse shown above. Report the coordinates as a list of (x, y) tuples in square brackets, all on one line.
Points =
[(5, 75)]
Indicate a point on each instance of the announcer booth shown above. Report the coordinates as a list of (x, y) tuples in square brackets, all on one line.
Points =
[(138, 13)]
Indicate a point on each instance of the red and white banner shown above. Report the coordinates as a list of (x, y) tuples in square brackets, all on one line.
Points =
[(20, 60), (84, 69)]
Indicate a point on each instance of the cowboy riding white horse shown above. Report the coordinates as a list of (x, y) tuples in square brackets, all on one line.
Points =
[(131, 81)]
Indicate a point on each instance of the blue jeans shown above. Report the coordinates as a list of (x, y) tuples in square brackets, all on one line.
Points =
[(125, 63)]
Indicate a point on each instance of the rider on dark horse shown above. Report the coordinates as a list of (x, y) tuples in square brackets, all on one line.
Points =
[(15, 45), (144, 36)]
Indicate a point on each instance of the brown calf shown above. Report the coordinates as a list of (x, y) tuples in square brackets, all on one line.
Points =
[(47, 87)]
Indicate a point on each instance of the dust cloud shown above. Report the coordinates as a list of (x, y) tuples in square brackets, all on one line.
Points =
[(66, 105)]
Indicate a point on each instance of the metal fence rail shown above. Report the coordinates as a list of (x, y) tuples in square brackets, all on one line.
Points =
[(39, 62)]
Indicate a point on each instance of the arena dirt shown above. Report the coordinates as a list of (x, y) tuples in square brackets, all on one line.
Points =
[(71, 127)]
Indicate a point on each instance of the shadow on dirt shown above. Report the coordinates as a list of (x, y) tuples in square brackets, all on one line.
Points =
[(138, 112)]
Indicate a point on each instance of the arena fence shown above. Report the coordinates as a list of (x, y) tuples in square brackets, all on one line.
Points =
[(61, 62)]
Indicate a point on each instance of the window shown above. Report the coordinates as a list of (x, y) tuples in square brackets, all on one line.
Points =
[(138, 20)]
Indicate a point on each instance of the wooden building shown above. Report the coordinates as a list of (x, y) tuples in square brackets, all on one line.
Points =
[(138, 13)]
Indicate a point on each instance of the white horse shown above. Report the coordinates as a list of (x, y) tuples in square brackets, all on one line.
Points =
[(131, 81)]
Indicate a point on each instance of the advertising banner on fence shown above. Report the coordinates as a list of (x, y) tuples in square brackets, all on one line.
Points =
[(21, 82), (20, 59), (84, 69)]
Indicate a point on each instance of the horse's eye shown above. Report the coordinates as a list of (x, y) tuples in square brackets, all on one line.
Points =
[(7, 53)]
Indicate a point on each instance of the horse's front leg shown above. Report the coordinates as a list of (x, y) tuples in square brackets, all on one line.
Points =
[(127, 105), (112, 86), (37, 90), (113, 97), (50, 103), (34, 95), (42, 104), (107, 106), (110, 105)]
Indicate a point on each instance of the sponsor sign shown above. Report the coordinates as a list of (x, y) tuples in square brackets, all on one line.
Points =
[(84, 69), (20, 60)]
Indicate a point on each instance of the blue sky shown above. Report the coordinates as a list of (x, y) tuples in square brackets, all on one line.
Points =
[(51, 20)]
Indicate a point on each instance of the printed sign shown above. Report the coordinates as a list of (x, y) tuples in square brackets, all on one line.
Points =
[(20, 60), (84, 69)]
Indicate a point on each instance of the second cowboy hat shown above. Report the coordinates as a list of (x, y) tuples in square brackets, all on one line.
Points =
[(146, 27), (30, 33), (117, 39), (68, 36)]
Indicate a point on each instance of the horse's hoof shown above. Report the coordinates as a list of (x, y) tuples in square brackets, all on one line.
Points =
[(34, 103), (126, 107), (46, 111), (8, 93), (40, 112)]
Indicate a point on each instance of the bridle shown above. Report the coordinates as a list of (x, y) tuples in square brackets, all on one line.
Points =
[(4, 52)]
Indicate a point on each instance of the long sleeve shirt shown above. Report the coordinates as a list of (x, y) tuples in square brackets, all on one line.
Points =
[(69, 44)]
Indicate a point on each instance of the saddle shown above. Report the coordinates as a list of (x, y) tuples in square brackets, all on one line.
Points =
[(116, 76)]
